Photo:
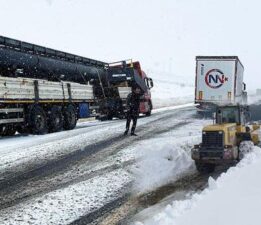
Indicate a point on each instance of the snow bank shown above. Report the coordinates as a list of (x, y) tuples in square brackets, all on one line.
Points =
[(234, 198), (162, 164), (165, 158)]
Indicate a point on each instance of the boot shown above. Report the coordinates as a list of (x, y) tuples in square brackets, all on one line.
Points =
[(126, 132), (132, 132)]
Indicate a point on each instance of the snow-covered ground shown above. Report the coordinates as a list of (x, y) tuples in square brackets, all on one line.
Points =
[(63, 206), (95, 188), (34, 149), (234, 198)]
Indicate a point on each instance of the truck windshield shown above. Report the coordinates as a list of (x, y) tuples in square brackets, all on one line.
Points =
[(228, 115)]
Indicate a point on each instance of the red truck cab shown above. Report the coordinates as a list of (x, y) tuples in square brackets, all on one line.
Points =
[(127, 74), (146, 102)]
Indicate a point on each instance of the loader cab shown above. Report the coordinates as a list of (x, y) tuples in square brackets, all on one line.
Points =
[(232, 114)]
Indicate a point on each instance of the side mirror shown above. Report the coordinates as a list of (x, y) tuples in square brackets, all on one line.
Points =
[(151, 83), (244, 86)]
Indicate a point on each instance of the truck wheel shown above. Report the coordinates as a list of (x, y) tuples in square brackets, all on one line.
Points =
[(10, 130), (205, 167), (70, 118), (109, 116), (23, 130), (37, 120), (2, 130), (55, 119), (7, 130)]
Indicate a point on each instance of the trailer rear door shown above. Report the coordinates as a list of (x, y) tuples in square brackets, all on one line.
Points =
[(215, 80)]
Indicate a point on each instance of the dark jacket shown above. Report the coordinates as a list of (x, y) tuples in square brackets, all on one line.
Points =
[(133, 103)]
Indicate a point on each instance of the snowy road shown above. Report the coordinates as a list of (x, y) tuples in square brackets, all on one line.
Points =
[(80, 176)]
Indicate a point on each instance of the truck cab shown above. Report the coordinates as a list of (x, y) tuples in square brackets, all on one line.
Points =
[(124, 75)]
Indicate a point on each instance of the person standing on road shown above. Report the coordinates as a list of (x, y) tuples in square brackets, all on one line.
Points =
[(133, 104)]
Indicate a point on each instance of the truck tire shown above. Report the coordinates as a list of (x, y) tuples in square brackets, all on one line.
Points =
[(55, 119), (70, 118), (37, 120), (205, 167), (109, 116), (23, 130), (7, 130), (2, 130), (10, 130)]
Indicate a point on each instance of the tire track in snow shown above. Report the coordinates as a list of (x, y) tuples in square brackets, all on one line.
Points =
[(11, 194), (128, 212)]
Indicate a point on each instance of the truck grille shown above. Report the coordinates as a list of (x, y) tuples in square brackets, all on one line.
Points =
[(212, 139)]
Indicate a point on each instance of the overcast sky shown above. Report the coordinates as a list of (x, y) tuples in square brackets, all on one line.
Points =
[(163, 34)]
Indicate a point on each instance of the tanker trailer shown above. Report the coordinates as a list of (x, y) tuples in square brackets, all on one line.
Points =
[(45, 90)]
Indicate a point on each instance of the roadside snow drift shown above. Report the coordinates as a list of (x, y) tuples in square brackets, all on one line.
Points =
[(166, 158), (234, 198)]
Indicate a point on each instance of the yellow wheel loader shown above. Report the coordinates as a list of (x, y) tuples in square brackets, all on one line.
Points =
[(227, 140)]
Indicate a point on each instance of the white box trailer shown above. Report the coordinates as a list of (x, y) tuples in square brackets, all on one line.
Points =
[(219, 81)]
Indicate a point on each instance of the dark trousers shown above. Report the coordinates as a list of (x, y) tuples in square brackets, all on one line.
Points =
[(134, 118)]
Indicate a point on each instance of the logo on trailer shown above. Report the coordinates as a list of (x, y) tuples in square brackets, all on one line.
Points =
[(215, 78)]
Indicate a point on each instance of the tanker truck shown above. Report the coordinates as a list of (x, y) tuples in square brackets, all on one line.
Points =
[(45, 90)]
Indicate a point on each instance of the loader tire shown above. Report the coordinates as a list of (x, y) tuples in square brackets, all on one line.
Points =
[(205, 167), (244, 148), (70, 118)]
